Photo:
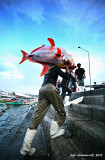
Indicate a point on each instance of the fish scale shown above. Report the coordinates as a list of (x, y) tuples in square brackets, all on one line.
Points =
[(49, 56)]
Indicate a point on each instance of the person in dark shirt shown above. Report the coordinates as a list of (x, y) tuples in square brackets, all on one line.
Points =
[(48, 94), (65, 85), (80, 75), (65, 88)]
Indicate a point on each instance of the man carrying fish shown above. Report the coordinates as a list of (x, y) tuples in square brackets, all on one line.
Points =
[(48, 94)]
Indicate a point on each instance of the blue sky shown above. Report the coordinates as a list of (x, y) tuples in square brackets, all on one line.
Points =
[(26, 25)]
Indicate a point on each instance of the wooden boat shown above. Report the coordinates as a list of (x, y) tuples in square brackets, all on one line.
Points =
[(12, 103)]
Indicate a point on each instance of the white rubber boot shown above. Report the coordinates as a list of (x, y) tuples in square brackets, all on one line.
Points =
[(26, 148), (54, 128), (59, 133)]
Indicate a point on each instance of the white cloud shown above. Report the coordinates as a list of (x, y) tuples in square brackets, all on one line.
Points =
[(10, 63), (17, 74), (12, 74), (6, 74)]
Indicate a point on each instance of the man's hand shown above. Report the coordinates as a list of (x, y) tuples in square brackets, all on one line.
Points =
[(66, 62), (84, 77), (77, 81)]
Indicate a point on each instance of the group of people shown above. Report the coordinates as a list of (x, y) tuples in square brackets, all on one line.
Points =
[(70, 84), (48, 94)]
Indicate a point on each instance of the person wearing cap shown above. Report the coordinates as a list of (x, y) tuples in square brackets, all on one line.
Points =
[(80, 76)]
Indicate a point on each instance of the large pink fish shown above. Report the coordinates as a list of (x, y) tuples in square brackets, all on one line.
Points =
[(48, 56)]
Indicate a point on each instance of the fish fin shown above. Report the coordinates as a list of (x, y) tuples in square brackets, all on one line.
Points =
[(37, 49), (24, 56), (45, 69), (42, 45), (58, 54), (51, 41)]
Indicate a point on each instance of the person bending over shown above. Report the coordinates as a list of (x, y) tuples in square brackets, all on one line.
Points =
[(48, 94)]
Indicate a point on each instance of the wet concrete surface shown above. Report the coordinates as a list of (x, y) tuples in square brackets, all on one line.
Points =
[(12, 140), (10, 121)]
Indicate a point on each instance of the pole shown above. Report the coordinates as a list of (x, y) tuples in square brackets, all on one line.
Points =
[(89, 63)]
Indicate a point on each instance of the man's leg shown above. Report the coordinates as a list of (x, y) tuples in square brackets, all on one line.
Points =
[(70, 84), (82, 84), (63, 92), (75, 86), (56, 101), (69, 91), (79, 84), (61, 116), (26, 148), (38, 115)]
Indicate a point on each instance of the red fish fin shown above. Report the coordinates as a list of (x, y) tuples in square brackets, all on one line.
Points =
[(51, 41), (24, 56), (37, 49), (42, 45), (45, 69), (58, 54)]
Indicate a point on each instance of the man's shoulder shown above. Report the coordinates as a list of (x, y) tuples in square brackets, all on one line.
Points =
[(76, 70), (82, 69), (56, 68)]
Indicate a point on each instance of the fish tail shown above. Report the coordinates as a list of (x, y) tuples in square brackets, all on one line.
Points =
[(24, 56)]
